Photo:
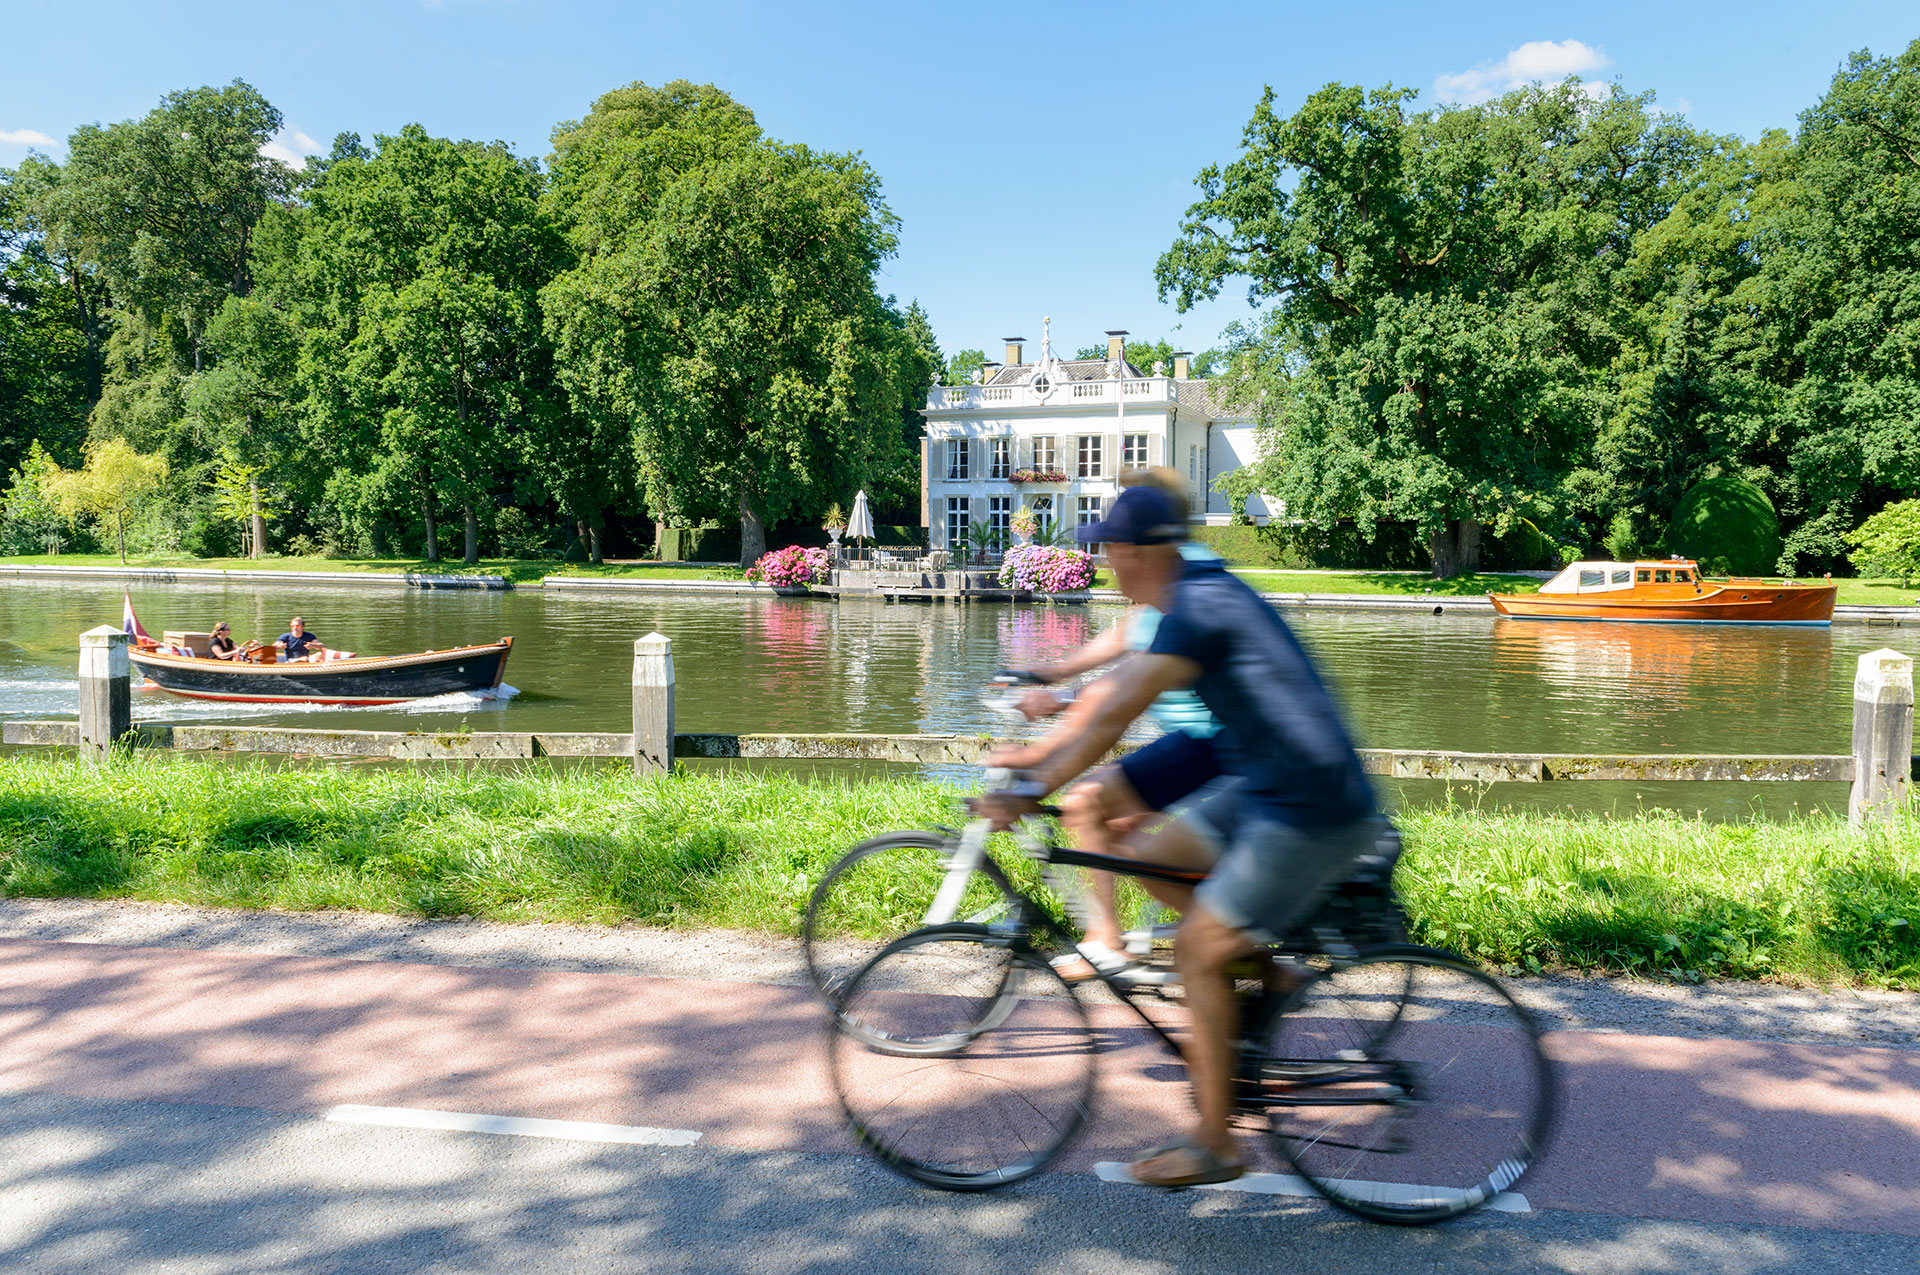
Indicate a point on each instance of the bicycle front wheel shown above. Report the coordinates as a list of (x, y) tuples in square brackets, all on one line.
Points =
[(940, 1100), (880, 890), (1407, 1087)]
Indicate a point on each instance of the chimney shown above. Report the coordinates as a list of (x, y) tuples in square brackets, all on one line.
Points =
[(988, 371), (1181, 366), (1014, 344), (1116, 345)]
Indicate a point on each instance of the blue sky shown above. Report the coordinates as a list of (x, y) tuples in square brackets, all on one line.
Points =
[(1038, 157)]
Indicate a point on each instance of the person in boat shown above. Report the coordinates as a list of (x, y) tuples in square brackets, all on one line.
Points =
[(222, 643), (298, 644)]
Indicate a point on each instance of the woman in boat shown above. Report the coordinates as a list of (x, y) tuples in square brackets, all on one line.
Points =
[(224, 648)]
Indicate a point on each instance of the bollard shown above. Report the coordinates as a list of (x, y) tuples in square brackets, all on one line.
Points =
[(652, 704), (106, 691), (1882, 736)]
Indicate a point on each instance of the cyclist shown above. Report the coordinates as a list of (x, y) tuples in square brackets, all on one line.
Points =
[(1272, 845), (1119, 799)]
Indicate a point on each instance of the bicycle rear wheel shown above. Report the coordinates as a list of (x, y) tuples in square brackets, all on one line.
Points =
[(1407, 1087), (880, 890), (938, 1099)]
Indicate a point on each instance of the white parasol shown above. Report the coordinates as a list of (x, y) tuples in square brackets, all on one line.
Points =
[(860, 522)]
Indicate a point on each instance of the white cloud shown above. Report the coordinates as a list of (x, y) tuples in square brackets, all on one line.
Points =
[(1548, 61), (25, 137), (291, 147)]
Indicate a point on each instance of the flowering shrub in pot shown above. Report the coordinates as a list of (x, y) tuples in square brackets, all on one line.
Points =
[(1046, 569), (791, 566)]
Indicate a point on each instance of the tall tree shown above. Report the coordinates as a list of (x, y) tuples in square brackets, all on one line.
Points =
[(166, 205), (609, 170), (722, 308), (767, 383), (1838, 293), (248, 398), (1441, 285), (48, 377), (422, 265)]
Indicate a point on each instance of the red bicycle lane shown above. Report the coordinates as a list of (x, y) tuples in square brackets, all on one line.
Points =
[(1652, 1126)]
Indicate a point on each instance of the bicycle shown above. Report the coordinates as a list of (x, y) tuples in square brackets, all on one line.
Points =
[(941, 875), (963, 1059)]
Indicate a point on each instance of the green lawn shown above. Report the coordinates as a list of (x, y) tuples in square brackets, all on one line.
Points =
[(1384, 583), (518, 570), (1806, 900)]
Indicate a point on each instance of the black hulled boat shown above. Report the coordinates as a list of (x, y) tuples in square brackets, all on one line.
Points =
[(383, 679)]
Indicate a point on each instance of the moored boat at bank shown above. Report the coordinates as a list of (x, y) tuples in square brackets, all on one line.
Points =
[(387, 679), (1668, 592)]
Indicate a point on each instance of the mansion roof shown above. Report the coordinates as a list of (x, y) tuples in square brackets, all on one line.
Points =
[(1075, 369)]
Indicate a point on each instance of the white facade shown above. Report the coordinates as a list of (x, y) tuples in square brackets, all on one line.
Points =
[(1066, 429)]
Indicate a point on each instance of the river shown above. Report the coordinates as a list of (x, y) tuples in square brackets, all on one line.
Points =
[(1454, 681)]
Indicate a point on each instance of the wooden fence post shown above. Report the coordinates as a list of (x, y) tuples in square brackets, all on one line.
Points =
[(652, 705), (1882, 735), (106, 692)]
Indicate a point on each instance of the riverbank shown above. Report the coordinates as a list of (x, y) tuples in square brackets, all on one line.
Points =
[(519, 572), (1807, 900)]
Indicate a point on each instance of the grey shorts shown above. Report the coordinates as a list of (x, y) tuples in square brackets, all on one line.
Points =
[(1268, 875)]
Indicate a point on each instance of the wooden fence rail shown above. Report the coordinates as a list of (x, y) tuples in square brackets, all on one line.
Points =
[(1880, 768)]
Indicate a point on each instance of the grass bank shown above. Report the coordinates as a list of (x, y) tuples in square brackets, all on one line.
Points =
[(517, 570), (1809, 900)]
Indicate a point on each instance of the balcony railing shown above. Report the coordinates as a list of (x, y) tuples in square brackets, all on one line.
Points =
[(1156, 389)]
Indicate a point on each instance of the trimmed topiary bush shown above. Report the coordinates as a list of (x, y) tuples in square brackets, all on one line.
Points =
[(1726, 520)]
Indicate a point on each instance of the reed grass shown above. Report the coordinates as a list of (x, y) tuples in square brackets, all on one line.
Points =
[(1806, 900)]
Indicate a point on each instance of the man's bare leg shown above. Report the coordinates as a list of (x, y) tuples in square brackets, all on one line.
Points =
[(1204, 948)]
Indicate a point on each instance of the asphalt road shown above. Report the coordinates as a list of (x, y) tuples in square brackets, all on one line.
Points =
[(166, 1110)]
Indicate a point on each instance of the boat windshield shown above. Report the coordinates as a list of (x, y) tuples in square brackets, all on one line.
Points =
[(1591, 577)]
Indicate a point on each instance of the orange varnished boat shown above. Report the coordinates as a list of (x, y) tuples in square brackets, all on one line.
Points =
[(1669, 592)]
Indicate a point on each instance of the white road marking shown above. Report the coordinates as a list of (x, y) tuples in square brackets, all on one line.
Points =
[(518, 1126), (1288, 1184)]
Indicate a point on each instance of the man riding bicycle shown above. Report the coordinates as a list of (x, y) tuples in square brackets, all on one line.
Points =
[(1283, 826), (1119, 799)]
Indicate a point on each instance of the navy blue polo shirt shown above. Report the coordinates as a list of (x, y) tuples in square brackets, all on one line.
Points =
[(1281, 728)]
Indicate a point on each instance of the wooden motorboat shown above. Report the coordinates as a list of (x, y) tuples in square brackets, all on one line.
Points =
[(1671, 591), (384, 679)]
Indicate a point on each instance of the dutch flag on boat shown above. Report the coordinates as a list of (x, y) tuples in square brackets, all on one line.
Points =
[(128, 620)]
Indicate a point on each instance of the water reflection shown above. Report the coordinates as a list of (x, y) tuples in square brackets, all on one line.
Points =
[(1649, 675)]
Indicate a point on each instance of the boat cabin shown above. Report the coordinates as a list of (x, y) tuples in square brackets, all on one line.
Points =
[(1607, 577)]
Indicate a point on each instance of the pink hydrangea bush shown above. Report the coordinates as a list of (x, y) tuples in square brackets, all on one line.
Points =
[(1046, 569), (793, 565)]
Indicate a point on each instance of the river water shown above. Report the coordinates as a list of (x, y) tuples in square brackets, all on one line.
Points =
[(752, 664)]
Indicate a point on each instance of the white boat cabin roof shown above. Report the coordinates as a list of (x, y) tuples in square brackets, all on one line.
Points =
[(1605, 577)]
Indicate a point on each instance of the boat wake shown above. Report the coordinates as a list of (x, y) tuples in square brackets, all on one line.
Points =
[(56, 698)]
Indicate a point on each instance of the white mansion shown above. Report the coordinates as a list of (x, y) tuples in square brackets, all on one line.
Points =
[(1055, 434)]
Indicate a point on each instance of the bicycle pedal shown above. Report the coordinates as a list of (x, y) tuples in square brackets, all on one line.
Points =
[(1147, 976)]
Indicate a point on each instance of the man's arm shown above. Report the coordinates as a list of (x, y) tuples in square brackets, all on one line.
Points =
[(1106, 709)]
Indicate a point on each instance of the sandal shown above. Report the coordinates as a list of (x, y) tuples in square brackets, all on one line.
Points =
[(1090, 960), (1209, 1168)]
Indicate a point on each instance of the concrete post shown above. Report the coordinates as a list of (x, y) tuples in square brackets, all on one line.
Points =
[(652, 704), (1882, 735), (106, 691)]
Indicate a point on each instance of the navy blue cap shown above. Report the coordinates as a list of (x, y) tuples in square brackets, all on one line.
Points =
[(1141, 516)]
